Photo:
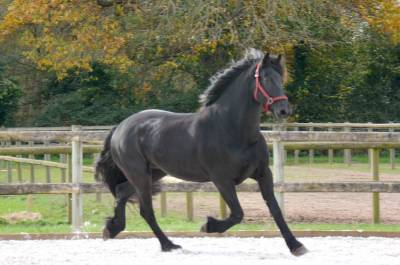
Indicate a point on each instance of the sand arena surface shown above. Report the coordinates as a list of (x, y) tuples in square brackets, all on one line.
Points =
[(271, 251)]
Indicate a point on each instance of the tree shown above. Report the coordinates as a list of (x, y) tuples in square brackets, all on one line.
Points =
[(376, 96), (160, 54), (62, 35), (383, 16), (9, 96), (89, 98), (320, 86)]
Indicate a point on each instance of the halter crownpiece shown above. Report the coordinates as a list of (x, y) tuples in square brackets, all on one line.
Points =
[(269, 100)]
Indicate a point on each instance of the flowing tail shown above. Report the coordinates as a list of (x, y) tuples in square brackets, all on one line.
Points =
[(109, 173), (106, 169)]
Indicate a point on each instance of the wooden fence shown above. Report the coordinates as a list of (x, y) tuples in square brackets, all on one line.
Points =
[(310, 126), (345, 127), (280, 141)]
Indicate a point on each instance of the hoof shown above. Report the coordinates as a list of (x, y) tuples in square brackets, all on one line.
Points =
[(211, 226), (299, 251), (169, 247), (106, 234), (203, 228)]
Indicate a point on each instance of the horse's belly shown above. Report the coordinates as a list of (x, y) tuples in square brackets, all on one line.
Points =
[(187, 177), (189, 171)]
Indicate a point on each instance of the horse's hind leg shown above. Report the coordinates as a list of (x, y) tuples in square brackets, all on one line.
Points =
[(146, 211), (116, 224)]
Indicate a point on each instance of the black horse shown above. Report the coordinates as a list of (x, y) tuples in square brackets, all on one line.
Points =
[(221, 143)]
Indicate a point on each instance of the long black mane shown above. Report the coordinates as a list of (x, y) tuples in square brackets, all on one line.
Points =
[(220, 81)]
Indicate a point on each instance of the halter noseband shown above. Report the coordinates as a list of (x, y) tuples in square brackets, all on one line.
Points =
[(269, 100)]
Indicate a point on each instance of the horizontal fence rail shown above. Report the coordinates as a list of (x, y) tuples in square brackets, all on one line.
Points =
[(38, 150), (304, 187), (263, 125), (58, 136), (90, 149), (333, 125), (285, 136), (296, 136)]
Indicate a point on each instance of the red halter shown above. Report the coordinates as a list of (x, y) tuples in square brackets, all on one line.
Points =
[(269, 100)]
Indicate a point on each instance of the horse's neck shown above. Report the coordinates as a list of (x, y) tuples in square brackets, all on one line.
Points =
[(238, 111)]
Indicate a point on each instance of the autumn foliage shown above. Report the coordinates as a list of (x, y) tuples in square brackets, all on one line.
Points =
[(62, 35), (96, 61)]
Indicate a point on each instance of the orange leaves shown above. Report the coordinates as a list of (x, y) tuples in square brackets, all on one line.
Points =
[(61, 35), (384, 15), (388, 18)]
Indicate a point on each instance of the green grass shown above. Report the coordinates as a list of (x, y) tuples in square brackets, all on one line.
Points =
[(54, 218)]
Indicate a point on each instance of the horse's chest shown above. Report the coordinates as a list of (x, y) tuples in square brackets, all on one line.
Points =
[(248, 166), (242, 162)]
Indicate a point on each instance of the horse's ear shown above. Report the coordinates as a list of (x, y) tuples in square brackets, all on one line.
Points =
[(266, 59)]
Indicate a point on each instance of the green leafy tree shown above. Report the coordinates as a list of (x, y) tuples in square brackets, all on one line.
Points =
[(10, 93), (320, 86), (376, 97), (89, 98)]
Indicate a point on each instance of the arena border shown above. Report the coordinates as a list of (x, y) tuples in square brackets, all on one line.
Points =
[(240, 234)]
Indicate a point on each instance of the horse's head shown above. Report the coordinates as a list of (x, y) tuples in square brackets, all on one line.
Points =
[(270, 75)]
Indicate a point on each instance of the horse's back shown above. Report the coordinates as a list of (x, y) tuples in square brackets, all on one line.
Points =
[(144, 125)]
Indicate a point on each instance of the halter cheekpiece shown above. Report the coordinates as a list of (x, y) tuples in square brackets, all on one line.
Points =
[(269, 100)]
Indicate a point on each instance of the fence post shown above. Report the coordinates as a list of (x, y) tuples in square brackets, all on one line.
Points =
[(63, 171), (392, 154), (32, 167), (189, 206), (9, 167), (77, 164), (330, 151), (29, 199), (69, 195), (163, 203), (9, 172), (278, 170), (95, 157), (3, 164), (284, 150), (370, 150), (19, 168), (222, 207), (375, 177), (296, 152), (311, 151), (347, 152), (275, 127), (1, 161), (47, 157)]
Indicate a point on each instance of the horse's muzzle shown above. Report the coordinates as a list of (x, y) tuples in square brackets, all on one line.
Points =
[(281, 110)]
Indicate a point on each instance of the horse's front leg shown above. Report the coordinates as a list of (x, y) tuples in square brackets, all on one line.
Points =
[(267, 190), (228, 193)]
